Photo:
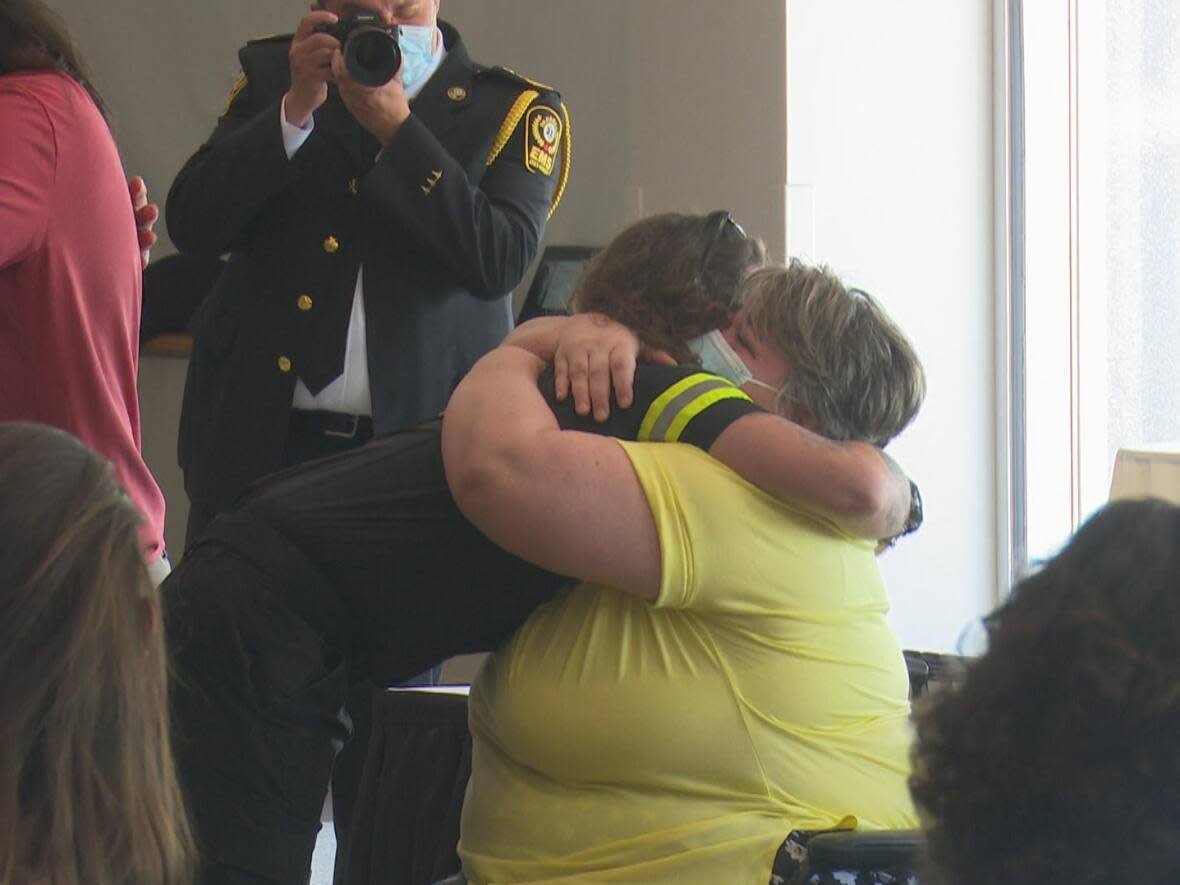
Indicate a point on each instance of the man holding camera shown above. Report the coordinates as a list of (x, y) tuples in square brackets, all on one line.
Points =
[(380, 195), (376, 222)]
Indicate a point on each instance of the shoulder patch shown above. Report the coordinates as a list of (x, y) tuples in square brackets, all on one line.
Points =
[(546, 131), (542, 136), (234, 92)]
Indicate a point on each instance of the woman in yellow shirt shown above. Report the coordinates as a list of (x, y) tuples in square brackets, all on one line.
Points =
[(725, 674)]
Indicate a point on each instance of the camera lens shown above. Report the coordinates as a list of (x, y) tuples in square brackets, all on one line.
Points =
[(372, 55)]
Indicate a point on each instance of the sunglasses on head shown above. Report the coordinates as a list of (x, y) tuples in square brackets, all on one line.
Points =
[(720, 225)]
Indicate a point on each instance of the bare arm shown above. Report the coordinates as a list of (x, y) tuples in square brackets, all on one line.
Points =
[(569, 502), (853, 484)]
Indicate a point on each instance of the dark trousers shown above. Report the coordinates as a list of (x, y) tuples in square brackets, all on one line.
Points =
[(356, 569), (305, 442), (311, 436)]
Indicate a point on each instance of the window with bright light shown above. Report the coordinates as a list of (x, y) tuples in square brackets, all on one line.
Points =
[(1101, 299)]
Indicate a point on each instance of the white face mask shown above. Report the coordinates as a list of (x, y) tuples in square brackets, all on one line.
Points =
[(417, 45), (718, 358)]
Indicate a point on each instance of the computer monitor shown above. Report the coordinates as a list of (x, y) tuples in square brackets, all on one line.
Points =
[(553, 283)]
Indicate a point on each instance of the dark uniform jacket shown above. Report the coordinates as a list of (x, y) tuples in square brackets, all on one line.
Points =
[(445, 221)]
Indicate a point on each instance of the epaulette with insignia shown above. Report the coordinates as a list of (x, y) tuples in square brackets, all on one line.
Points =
[(510, 74), (261, 57)]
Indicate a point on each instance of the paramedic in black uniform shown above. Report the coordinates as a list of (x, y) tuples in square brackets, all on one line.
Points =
[(375, 236)]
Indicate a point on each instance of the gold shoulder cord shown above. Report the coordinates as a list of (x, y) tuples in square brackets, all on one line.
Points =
[(567, 150), (234, 93), (509, 125)]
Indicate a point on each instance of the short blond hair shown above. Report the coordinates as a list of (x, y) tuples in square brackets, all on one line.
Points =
[(852, 369)]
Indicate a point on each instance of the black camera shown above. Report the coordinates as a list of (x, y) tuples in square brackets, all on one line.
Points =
[(371, 53)]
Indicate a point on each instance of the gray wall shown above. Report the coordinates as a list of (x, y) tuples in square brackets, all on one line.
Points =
[(674, 105), (662, 116)]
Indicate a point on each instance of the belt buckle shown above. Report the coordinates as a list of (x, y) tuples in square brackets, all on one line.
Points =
[(346, 434)]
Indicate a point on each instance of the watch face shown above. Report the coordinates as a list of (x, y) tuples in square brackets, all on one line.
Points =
[(915, 519)]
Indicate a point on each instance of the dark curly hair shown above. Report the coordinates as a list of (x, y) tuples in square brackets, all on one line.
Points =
[(1058, 757), (672, 277)]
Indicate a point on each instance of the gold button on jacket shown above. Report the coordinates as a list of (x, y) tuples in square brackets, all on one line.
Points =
[(304, 302), (284, 365), (331, 245)]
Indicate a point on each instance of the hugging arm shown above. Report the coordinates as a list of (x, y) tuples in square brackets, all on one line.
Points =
[(566, 501), (854, 485)]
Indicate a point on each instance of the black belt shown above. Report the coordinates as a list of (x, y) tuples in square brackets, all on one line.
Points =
[(332, 424)]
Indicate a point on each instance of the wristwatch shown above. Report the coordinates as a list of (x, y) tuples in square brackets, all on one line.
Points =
[(913, 521)]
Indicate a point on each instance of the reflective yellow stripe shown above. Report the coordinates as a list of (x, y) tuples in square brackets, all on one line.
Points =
[(697, 406), (517, 110), (679, 397)]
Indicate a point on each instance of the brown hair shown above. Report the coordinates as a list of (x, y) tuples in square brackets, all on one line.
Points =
[(34, 37), (852, 369), (671, 277), (88, 790), (1054, 760)]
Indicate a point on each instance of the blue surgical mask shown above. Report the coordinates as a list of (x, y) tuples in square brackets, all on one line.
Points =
[(417, 45), (718, 358)]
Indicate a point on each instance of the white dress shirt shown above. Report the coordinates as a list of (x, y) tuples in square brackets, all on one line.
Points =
[(349, 393)]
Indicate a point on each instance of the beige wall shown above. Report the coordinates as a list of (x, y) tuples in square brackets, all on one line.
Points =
[(890, 143), (664, 104), (674, 107)]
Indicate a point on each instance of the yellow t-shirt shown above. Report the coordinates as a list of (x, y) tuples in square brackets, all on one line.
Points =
[(620, 741)]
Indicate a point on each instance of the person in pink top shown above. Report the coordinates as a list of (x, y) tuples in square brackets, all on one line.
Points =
[(70, 258)]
